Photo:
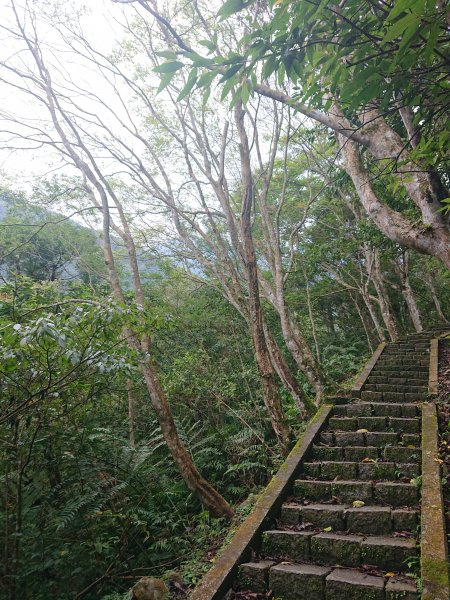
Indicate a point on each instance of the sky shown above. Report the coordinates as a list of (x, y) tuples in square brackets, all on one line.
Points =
[(102, 26)]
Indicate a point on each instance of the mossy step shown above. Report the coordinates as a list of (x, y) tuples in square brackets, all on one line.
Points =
[(377, 409), (386, 493), (374, 520), (417, 379), (403, 372), (375, 396), (402, 388), (400, 362), (366, 471), (333, 548), (336, 453), (300, 581), (351, 453), (375, 424), (369, 438)]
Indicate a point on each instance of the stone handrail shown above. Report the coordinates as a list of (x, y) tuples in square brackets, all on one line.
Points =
[(217, 581)]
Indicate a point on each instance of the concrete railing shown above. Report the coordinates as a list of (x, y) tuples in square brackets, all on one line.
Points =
[(219, 579)]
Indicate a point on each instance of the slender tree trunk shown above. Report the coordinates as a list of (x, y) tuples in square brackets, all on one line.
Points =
[(437, 304), (413, 309), (401, 266), (271, 395), (363, 321), (310, 311), (130, 412), (295, 342), (373, 315), (383, 296), (215, 503), (285, 374)]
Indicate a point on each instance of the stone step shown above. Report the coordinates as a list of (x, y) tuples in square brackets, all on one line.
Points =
[(372, 395), (375, 424), (380, 409), (403, 372), (400, 361), (398, 380), (371, 438), (390, 387), (305, 581), (375, 520), (354, 453), (368, 470), (411, 348), (347, 550), (385, 493), (312, 582)]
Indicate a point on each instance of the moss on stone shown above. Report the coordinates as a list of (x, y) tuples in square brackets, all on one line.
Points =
[(435, 574)]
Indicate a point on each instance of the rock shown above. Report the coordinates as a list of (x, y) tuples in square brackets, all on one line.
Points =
[(149, 588)]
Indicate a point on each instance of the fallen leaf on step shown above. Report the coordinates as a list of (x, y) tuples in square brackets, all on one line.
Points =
[(367, 459), (358, 504), (390, 574), (328, 529), (438, 460), (362, 431)]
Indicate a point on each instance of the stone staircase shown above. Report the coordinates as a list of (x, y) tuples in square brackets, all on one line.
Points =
[(349, 529)]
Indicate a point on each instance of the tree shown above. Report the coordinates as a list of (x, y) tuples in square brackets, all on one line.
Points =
[(101, 192), (392, 128), (45, 246)]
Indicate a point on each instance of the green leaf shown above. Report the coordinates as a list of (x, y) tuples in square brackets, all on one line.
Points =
[(208, 45), (269, 66), (169, 54), (245, 93), (230, 72), (198, 60), (233, 6), (164, 82), (399, 27), (187, 88), (431, 42), (226, 88), (169, 67), (399, 7), (206, 79)]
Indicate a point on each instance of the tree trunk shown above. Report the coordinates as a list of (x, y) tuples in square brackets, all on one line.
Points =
[(385, 304), (413, 309), (429, 283), (402, 269), (130, 412), (373, 315), (363, 321), (394, 225), (285, 374), (215, 503), (295, 342), (271, 395)]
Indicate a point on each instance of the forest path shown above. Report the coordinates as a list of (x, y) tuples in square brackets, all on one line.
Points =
[(348, 529)]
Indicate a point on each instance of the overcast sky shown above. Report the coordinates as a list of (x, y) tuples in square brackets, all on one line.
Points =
[(102, 26)]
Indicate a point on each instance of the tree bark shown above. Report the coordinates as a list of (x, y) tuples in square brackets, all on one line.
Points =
[(437, 304), (434, 241), (131, 416), (271, 395), (401, 267), (383, 296), (286, 376), (215, 503)]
